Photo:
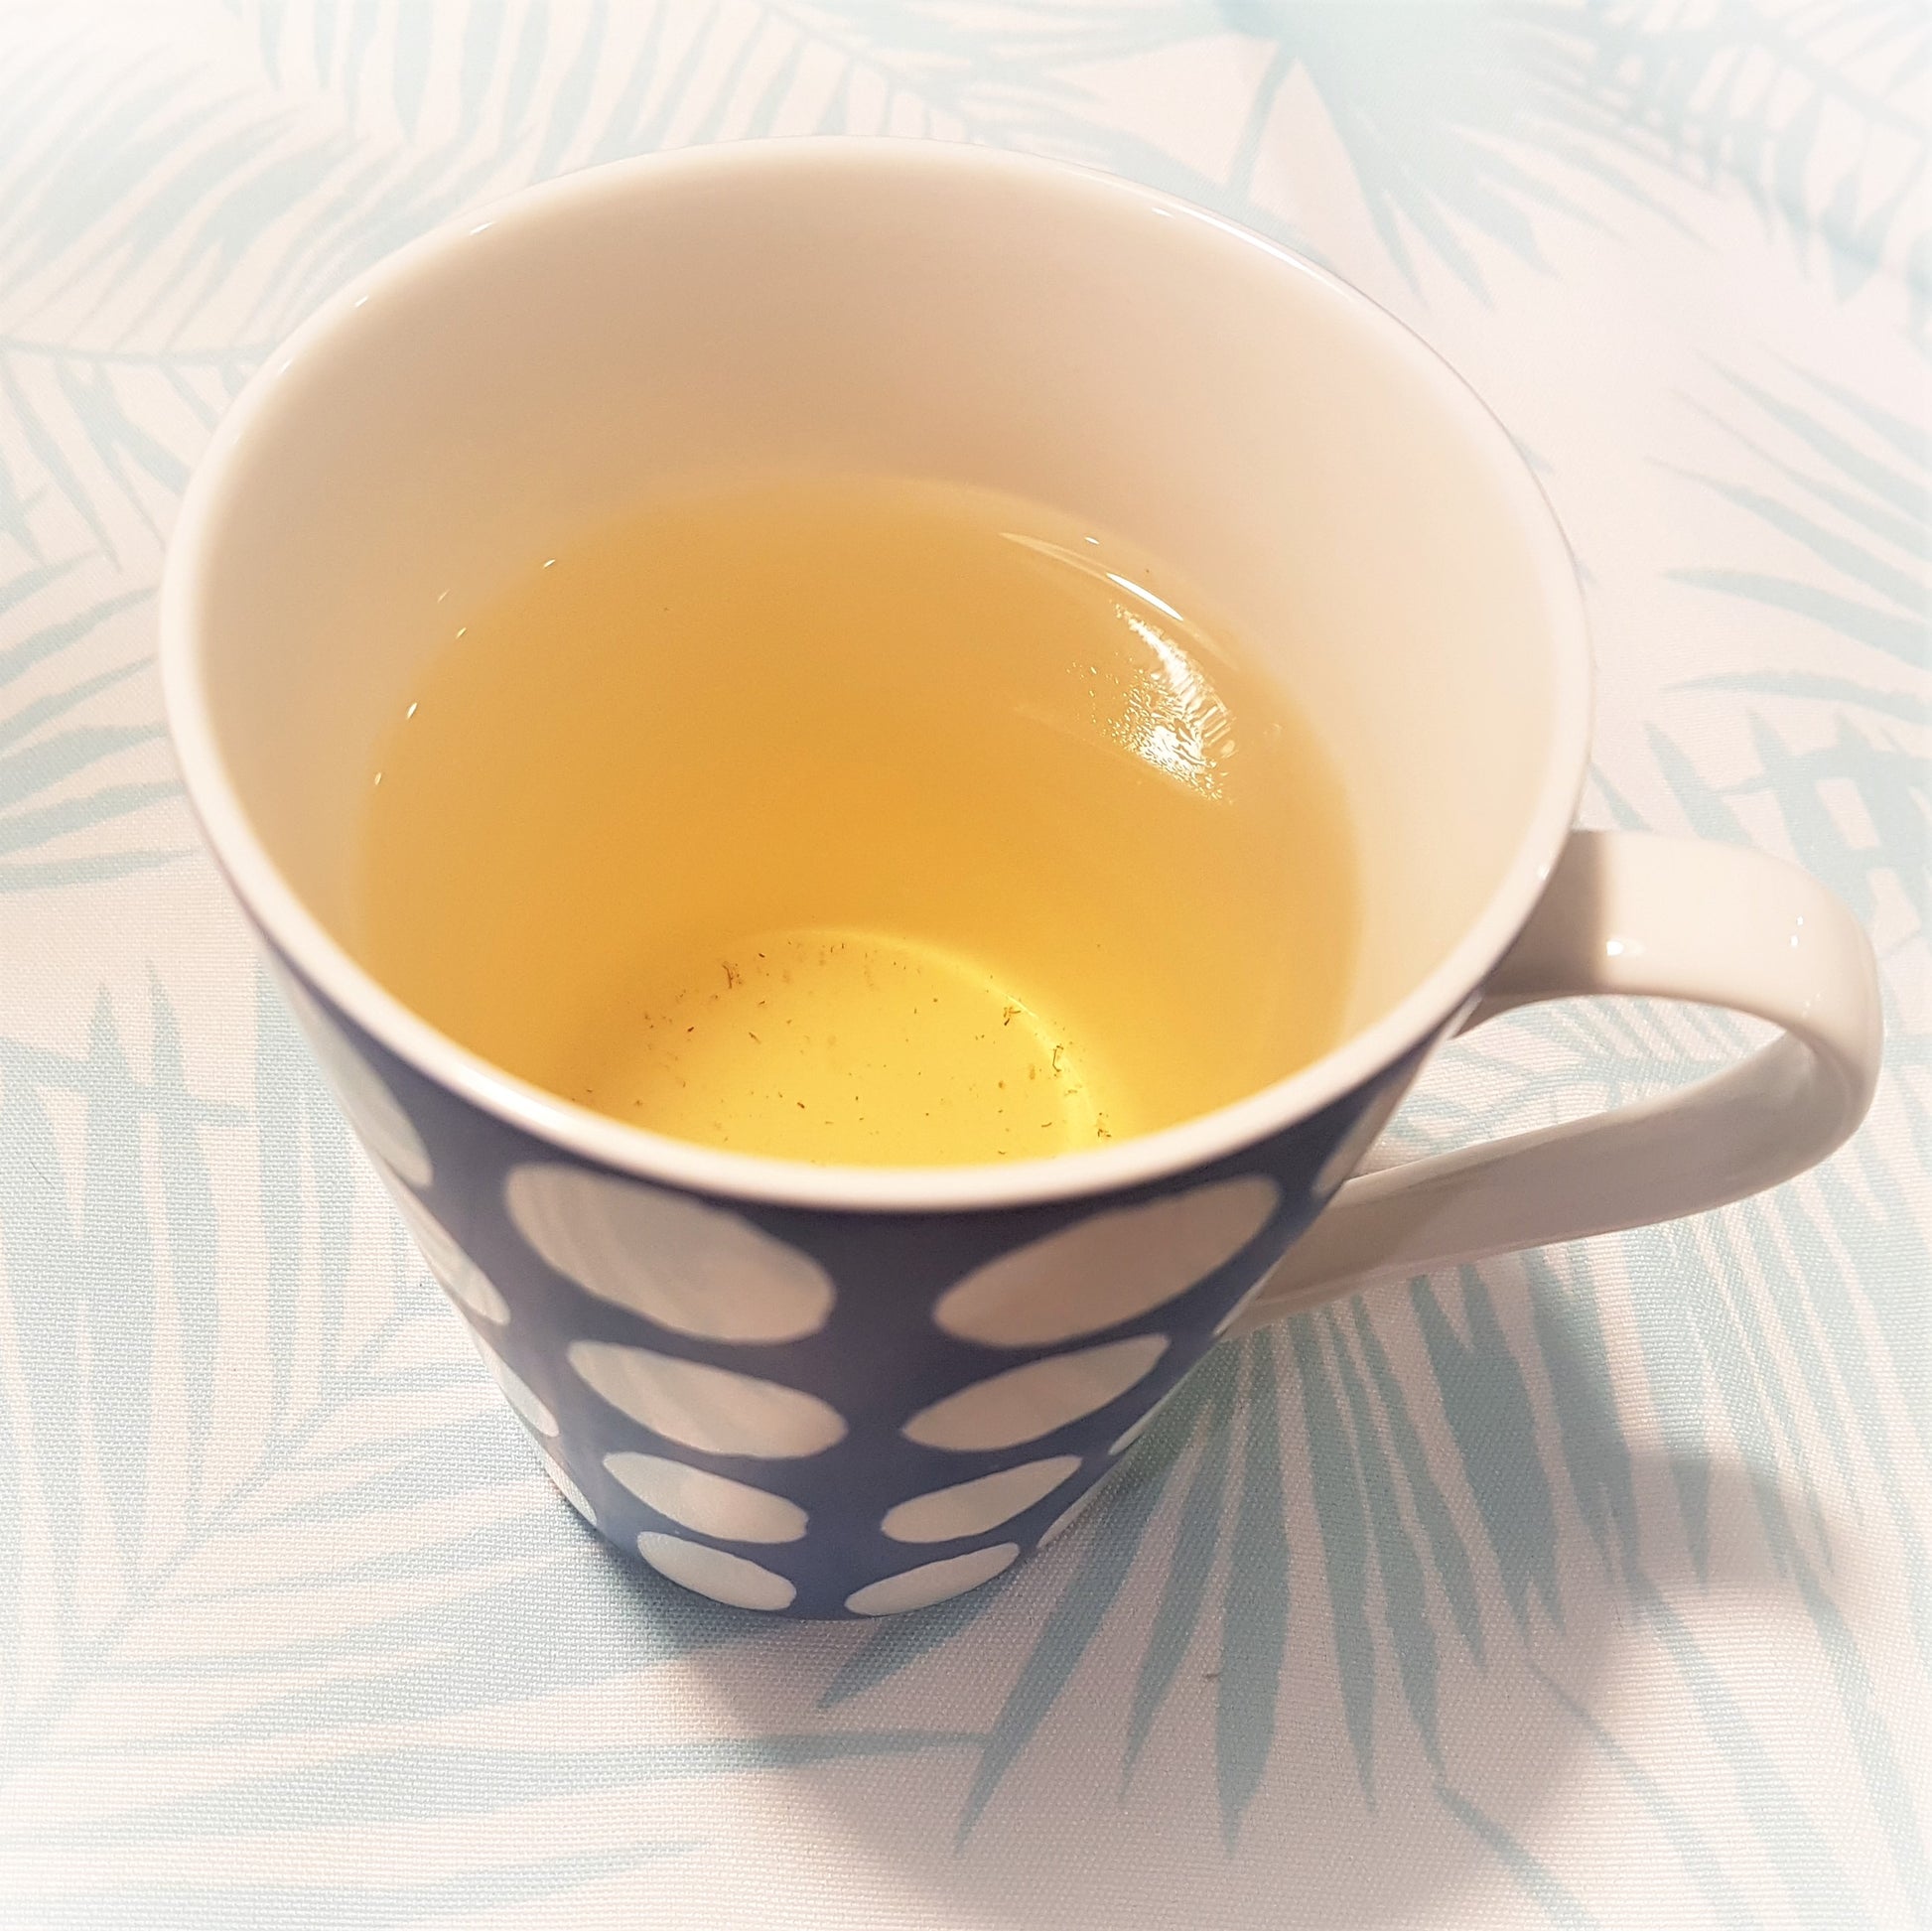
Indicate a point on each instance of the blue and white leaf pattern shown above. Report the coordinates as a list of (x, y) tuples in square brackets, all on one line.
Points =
[(1592, 1587)]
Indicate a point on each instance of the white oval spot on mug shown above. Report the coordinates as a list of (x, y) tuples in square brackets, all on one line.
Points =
[(1109, 1268), (712, 1410), (715, 1573), (694, 1269), (930, 1582), (713, 1504), (1028, 1402), (971, 1508)]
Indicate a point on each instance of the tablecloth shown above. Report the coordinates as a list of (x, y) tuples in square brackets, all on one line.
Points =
[(1588, 1587)]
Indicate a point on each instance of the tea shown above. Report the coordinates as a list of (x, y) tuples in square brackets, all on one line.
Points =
[(863, 821)]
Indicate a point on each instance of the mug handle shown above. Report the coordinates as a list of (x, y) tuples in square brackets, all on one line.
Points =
[(1653, 918)]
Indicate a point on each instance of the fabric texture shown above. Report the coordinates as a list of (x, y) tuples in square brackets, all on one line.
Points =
[(1590, 1587)]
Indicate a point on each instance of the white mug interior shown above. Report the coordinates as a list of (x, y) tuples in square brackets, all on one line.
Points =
[(905, 310)]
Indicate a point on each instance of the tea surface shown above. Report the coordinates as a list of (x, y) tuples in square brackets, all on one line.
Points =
[(862, 821)]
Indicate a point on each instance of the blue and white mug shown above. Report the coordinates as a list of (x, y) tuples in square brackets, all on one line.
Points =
[(824, 1390)]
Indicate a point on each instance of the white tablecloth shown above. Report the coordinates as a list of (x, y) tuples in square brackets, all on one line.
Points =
[(1585, 1587)]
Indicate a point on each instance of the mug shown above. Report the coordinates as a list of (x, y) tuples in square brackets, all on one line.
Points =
[(832, 1390)]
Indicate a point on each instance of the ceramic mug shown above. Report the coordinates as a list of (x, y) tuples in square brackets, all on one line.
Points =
[(826, 1390)]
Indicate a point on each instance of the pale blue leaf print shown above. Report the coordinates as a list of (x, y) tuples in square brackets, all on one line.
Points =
[(1009, 79), (1462, 124), (1856, 516), (323, 28), (1404, 1593), (1909, 436), (331, 1162), (1830, 1297), (281, 1069), (684, 76), (419, 1633), (1902, 638), (1254, 1618), (235, 217), (23, 830), (1882, 489), (1891, 786), (1741, 1300), (482, 38), (1731, 1374), (1553, 1899), (85, 870), (14, 513), (780, 88), (1705, 814), (1818, 1888), (150, 222), (1344, 1545), (47, 763), (304, 1904), (1812, 686), (785, 77), (393, 206), (1446, 1548), (1426, 112), (526, 64), (1622, 814), (1185, 1589), (1120, 1523), (678, 86), (1884, 1779), (1700, 1862), (1568, 1331), (626, 131), (410, 68), (708, 125), (900, 1641), (1838, 552), (115, 1279), (1489, 1414), (360, 1786), (117, 439), (154, 184), (90, 166), (1673, 1367), (79, 1273), (45, 445), (14, 1504), (40, 815), (37, 1240), (1045, 37), (171, 196), (573, 94), (1889, 1278), (40, 83), (1782, 1288), (19, 724), (1897, 1262), (1767, 99)]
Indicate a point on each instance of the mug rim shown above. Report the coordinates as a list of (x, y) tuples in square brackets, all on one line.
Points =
[(1201, 1140)]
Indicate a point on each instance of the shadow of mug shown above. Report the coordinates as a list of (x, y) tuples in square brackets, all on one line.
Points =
[(1340, 1624)]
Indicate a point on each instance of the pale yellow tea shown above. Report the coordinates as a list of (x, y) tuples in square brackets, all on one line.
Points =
[(862, 821)]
